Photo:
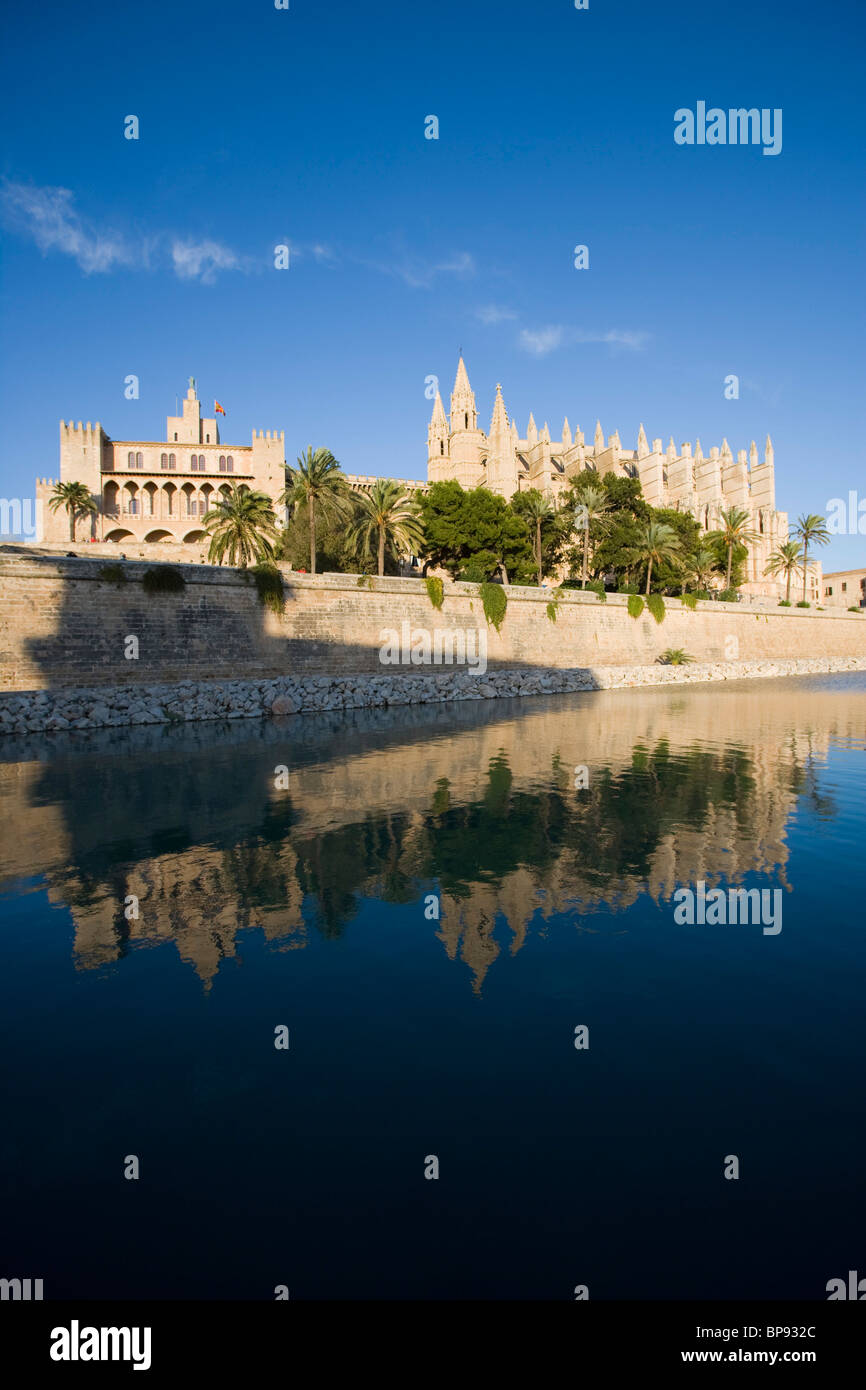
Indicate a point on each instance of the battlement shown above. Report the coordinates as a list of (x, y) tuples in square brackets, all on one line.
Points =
[(272, 435)]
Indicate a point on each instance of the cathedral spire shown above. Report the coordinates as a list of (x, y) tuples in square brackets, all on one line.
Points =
[(531, 431), (598, 442), (642, 444), (464, 415), (566, 434)]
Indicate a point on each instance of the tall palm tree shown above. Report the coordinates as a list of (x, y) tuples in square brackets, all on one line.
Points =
[(786, 560), (319, 484), (387, 517), (701, 566), (810, 529), (538, 509), (657, 542), (593, 506), (243, 526), (77, 501), (736, 530)]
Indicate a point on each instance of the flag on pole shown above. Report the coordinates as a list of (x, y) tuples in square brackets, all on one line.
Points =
[(218, 410)]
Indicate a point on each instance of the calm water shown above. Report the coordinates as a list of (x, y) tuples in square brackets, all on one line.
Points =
[(312, 906)]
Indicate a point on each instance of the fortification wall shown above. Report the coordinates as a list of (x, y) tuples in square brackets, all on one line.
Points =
[(62, 625)]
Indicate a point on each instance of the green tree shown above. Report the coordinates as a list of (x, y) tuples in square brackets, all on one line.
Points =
[(387, 515), (811, 529), (242, 526), (786, 560), (735, 530), (534, 508), (613, 549), (478, 526), (592, 512), (76, 500), (701, 565), (671, 574), (657, 542), (320, 485)]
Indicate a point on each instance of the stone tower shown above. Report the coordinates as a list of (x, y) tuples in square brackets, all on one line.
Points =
[(467, 443)]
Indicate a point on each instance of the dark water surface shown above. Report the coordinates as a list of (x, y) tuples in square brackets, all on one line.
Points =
[(311, 905)]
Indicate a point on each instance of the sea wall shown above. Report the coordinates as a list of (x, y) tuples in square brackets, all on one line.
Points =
[(63, 625)]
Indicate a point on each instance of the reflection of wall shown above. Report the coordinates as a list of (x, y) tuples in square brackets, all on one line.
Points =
[(365, 807), (60, 625)]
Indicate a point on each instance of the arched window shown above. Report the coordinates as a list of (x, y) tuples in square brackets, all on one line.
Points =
[(163, 460), (139, 460), (442, 446), (230, 464), (466, 420), (172, 461), (222, 463), (130, 460), (207, 439)]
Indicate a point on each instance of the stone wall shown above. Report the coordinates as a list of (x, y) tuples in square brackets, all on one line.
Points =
[(62, 625)]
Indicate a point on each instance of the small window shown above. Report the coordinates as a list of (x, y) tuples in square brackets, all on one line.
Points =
[(139, 460), (133, 506), (207, 439), (442, 446), (130, 460), (844, 588), (466, 422), (172, 461), (222, 463), (163, 460), (175, 437), (230, 464)]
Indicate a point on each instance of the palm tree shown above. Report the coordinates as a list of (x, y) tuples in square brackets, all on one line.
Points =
[(387, 516), (810, 528), (786, 560), (76, 499), (594, 504), (657, 542), (243, 526), (736, 530), (537, 510), (701, 566), (318, 482)]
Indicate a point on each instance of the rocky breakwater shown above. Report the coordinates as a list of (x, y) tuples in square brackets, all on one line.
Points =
[(102, 707)]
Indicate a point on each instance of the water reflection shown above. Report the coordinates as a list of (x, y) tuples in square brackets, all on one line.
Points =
[(475, 803)]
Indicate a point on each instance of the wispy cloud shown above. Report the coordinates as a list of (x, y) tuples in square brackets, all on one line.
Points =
[(494, 313), (541, 341), (421, 274), (200, 260), (49, 218)]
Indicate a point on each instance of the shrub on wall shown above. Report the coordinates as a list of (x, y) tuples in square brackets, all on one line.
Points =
[(163, 579), (689, 601), (728, 596), (855, 609), (804, 603), (784, 603), (112, 574), (656, 605), (551, 612), (269, 586), (635, 605), (597, 587), (494, 601), (675, 656), (435, 591)]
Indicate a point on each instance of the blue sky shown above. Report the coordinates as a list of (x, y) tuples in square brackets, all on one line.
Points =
[(260, 127)]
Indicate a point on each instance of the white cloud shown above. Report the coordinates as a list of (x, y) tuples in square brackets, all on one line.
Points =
[(541, 341), (200, 260), (494, 313), (48, 217), (419, 274)]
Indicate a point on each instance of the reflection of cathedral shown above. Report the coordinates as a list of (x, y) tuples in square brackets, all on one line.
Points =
[(682, 787)]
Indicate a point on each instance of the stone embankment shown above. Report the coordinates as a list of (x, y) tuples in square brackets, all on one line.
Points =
[(101, 707)]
